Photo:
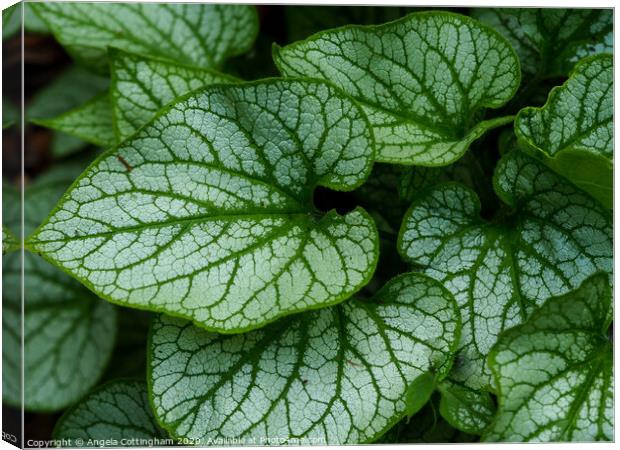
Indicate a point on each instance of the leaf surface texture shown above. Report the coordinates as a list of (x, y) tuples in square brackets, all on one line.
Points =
[(423, 80), (337, 375), (207, 212)]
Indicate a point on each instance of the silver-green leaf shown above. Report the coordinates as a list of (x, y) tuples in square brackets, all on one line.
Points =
[(334, 376), (467, 410), (555, 372), (202, 35), (424, 80), (117, 414), (573, 132), (207, 213), (550, 237), (550, 41), (141, 86)]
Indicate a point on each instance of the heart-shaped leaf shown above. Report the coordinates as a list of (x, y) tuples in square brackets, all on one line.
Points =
[(549, 41), (573, 132), (117, 413), (207, 212), (334, 376), (202, 35), (549, 239), (423, 80), (555, 372), (142, 86)]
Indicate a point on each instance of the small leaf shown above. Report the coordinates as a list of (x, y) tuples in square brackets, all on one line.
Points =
[(419, 392), (573, 132), (555, 372), (91, 122), (549, 239), (334, 376), (142, 86), (117, 413), (68, 333), (549, 41), (465, 409), (423, 80), (9, 241), (202, 35), (207, 212), (426, 427)]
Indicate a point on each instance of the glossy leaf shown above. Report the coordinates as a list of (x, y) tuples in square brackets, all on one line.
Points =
[(555, 372), (117, 413), (549, 239), (202, 35), (142, 86), (549, 41), (573, 132), (62, 319), (207, 212), (91, 122), (423, 80), (338, 375)]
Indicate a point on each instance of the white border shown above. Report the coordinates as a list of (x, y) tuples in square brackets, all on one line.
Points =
[(455, 3)]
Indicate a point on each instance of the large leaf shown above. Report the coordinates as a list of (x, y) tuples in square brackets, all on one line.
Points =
[(555, 372), (337, 375), (117, 414), (68, 333), (573, 132), (91, 122), (141, 86), (207, 212), (202, 35), (549, 41), (551, 237), (424, 80)]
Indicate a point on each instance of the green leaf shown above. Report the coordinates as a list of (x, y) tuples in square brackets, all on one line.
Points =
[(9, 241), (142, 86), (91, 122), (70, 89), (337, 375), (549, 239), (555, 372), (68, 333), (419, 392), (202, 35), (465, 409), (424, 80), (427, 426), (117, 413), (549, 41), (573, 132), (207, 214), (12, 20)]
